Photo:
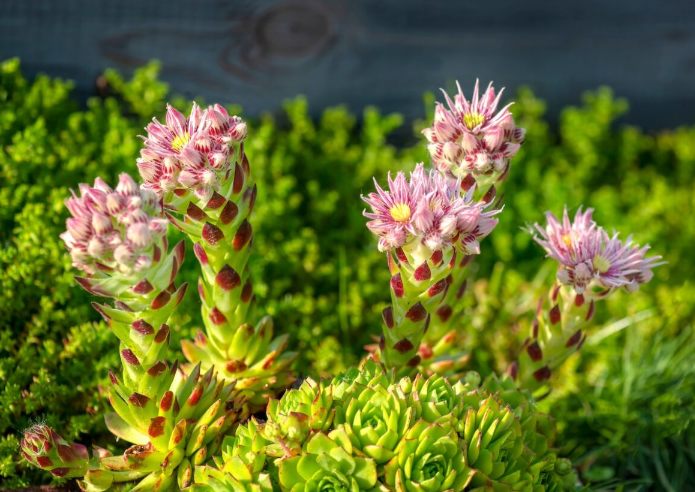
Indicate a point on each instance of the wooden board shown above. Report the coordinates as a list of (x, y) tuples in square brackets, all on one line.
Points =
[(369, 52)]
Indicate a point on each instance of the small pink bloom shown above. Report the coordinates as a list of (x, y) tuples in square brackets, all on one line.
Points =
[(114, 227), (588, 256), (427, 208), (486, 139), (187, 152)]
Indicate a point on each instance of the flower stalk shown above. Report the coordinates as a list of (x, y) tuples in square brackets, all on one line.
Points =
[(423, 224), (591, 266), (199, 168)]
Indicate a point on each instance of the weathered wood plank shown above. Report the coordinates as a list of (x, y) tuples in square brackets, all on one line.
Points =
[(361, 52)]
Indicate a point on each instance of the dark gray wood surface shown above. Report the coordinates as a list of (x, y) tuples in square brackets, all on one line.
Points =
[(361, 52)]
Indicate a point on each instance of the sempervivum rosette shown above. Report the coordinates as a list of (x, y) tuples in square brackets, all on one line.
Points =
[(197, 165), (424, 221), (299, 412), (328, 463), (591, 266)]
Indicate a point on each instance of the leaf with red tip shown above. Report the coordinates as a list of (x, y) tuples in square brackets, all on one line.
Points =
[(162, 334), (437, 288), (468, 182), (97, 307), (229, 212), (217, 317), (86, 284), (444, 312), (156, 427), (242, 236), (130, 357), (157, 369), (414, 361), (574, 339), (542, 374), (534, 351), (143, 287), (228, 278), (403, 346), (195, 212), (200, 254), (422, 272), (238, 183), (216, 201), (555, 315), (513, 370), (252, 198), (181, 293), (212, 234), (180, 251), (579, 300), (142, 327), (387, 315), (490, 195), (462, 289), (416, 313), (436, 257), (166, 401), (590, 311), (138, 400), (397, 285), (161, 300), (400, 254)]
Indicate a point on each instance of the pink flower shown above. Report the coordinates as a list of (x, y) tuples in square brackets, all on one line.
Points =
[(470, 137), (588, 256), (114, 229), (191, 153), (427, 208)]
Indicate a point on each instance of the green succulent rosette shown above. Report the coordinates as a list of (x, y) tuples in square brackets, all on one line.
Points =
[(375, 418), (369, 374), (45, 449), (182, 426), (328, 463), (428, 459), (241, 466), (296, 414)]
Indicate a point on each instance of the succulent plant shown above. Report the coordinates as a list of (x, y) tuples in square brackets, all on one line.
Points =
[(44, 448), (375, 419), (328, 463), (424, 221), (472, 144), (591, 266), (296, 414), (182, 426), (198, 166)]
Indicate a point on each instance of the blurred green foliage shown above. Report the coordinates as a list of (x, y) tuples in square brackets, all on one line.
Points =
[(624, 407)]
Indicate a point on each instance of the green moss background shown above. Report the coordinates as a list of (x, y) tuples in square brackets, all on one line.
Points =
[(624, 408)]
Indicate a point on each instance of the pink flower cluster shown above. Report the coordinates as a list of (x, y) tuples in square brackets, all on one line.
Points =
[(470, 137), (114, 229), (427, 208), (589, 257), (191, 153)]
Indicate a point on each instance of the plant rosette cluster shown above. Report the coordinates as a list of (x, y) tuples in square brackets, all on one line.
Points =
[(425, 222), (368, 430), (198, 166), (592, 265), (473, 144)]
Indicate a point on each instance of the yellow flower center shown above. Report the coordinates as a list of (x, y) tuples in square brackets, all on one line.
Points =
[(567, 239), (180, 140), (601, 264), (400, 212), (473, 119)]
